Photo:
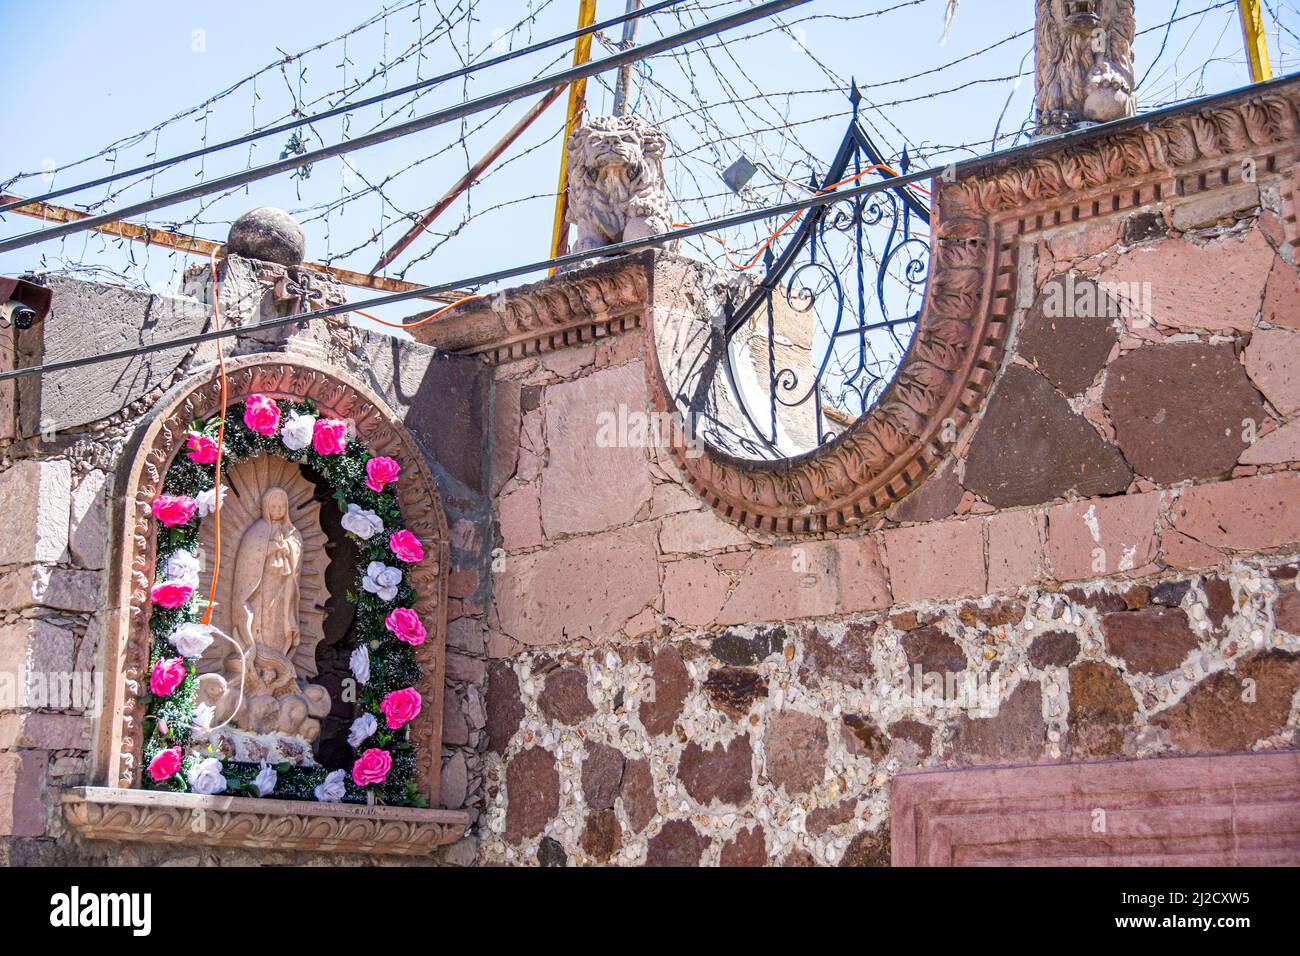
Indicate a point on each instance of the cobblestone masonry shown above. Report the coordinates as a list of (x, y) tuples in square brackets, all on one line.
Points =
[(785, 736)]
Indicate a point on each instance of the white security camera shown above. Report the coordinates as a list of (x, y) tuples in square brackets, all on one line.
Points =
[(20, 315)]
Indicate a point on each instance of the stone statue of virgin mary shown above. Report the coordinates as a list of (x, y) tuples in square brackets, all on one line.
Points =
[(269, 602), (265, 599)]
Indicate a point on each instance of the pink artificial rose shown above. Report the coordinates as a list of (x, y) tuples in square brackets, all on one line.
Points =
[(166, 676), (203, 450), (405, 625), (171, 594), (172, 510), (261, 414), (167, 763), (372, 767), (381, 471), (405, 546), (330, 436), (400, 707)]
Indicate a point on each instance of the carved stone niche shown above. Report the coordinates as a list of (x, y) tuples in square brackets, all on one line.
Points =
[(117, 808)]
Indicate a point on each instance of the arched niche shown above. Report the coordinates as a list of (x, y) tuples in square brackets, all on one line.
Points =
[(117, 808)]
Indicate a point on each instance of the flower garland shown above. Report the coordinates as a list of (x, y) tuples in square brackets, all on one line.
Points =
[(387, 629)]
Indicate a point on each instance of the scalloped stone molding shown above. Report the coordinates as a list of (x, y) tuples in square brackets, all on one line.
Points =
[(980, 221), (573, 309), (156, 442), (108, 813)]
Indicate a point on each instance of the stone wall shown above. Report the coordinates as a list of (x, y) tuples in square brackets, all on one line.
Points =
[(1107, 552), (58, 490)]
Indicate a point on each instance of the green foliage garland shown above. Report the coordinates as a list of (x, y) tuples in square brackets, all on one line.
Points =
[(393, 665)]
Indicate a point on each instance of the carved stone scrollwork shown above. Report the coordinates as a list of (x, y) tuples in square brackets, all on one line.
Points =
[(156, 443), (103, 813)]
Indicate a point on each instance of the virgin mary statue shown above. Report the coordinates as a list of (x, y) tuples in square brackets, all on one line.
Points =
[(265, 605)]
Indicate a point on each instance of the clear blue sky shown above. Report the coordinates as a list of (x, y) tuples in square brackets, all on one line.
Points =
[(86, 74)]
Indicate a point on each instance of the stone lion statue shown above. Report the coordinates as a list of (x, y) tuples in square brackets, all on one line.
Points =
[(1083, 62), (616, 182)]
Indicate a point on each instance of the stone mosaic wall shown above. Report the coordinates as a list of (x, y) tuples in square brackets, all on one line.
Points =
[(1111, 537), (777, 742)]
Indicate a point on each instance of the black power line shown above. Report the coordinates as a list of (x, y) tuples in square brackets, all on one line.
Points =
[(572, 258), (1019, 153), (416, 125), (343, 108)]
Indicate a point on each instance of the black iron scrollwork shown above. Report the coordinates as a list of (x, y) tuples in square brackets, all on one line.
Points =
[(857, 269)]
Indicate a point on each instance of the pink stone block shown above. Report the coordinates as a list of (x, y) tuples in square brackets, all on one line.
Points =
[(1234, 810), (694, 591), (22, 784), (596, 474), (1015, 547), (584, 588), (864, 582), (810, 579), (1215, 286), (1277, 447), (1179, 551), (1243, 514), (520, 517), (1273, 364), (697, 532), (1103, 536), (1282, 296), (936, 561)]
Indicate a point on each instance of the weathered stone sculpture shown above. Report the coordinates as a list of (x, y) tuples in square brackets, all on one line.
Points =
[(1083, 63), (271, 574), (269, 234), (616, 182)]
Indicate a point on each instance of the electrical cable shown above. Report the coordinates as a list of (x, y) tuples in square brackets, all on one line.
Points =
[(336, 111), (636, 245), (416, 125)]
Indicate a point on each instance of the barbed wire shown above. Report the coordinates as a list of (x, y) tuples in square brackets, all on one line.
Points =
[(708, 100)]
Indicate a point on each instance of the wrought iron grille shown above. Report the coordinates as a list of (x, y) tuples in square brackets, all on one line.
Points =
[(829, 323)]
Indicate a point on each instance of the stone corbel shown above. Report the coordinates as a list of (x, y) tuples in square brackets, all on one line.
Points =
[(152, 816)]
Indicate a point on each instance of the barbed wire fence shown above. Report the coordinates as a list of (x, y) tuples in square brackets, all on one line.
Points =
[(714, 100)]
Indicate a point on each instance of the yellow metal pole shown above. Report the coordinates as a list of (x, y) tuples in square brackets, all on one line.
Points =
[(577, 103), (1252, 28)]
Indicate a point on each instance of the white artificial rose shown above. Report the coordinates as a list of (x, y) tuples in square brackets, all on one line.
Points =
[(265, 780), (362, 728), (381, 579), (360, 664), (205, 777), (362, 522), (204, 714), (191, 638), (183, 567), (333, 789), (207, 501), (297, 431)]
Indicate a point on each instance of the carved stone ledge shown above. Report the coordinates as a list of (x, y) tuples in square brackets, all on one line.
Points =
[(107, 813), (572, 309)]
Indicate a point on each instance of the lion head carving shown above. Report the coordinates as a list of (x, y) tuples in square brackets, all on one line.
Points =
[(616, 182)]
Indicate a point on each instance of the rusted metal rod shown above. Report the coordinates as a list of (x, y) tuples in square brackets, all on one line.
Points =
[(203, 247), (468, 179)]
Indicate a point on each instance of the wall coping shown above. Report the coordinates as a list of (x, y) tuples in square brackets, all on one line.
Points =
[(156, 816), (1218, 810), (575, 307)]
